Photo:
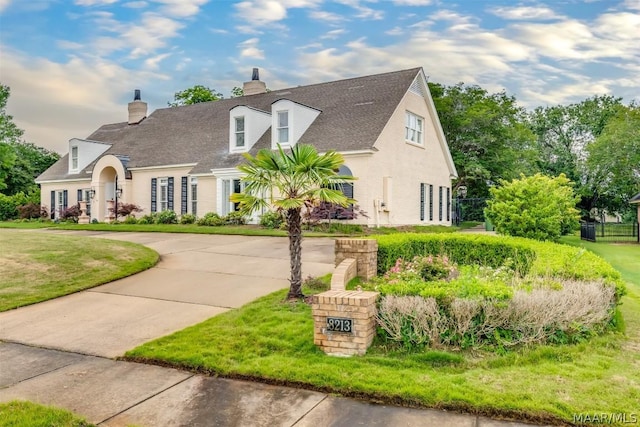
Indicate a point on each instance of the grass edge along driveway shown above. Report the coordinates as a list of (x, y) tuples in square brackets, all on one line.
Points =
[(273, 342), (36, 267)]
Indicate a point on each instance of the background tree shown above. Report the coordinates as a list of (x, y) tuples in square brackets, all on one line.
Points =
[(487, 134), (194, 95), (537, 207), (291, 181), (20, 162), (564, 134), (237, 92), (614, 160)]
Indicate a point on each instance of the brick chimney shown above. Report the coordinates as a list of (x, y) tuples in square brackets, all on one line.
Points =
[(137, 109), (255, 86)]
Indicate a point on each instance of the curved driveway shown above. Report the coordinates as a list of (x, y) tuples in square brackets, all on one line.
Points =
[(198, 276)]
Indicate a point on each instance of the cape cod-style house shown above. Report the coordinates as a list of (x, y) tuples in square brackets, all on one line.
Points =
[(184, 158)]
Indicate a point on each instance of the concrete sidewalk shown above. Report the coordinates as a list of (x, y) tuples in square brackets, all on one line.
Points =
[(117, 393)]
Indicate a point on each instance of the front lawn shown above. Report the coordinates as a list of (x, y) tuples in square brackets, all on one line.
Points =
[(271, 341), (35, 267), (26, 414)]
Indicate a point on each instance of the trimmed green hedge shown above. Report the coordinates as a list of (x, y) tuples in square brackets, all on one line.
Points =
[(527, 257)]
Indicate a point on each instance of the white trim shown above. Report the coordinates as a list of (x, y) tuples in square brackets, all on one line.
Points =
[(144, 168), (357, 152), (55, 181), (226, 173)]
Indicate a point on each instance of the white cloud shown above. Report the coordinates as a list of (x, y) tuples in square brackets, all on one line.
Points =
[(249, 49), (54, 102), (320, 15), (528, 13), (412, 2), (94, 2), (334, 34), (136, 4), (632, 4), (363, 12), (69, 45), (181, 8), (396, 31), (153, 63), (4, 4)]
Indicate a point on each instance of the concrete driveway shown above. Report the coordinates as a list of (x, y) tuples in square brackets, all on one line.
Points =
[(198, 276)]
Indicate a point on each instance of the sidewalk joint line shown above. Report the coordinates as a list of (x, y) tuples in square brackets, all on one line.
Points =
[(310, 410), (145, 399), (157, 298)]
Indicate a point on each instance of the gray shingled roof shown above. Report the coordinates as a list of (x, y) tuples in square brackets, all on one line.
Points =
[(353, 114), (635, 199)]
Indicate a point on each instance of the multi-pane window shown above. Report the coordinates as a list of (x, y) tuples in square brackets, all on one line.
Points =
[(441, 205), (86, 196), (74, 158), (163, 199), (194, 195), (413, 128), (229, 187), (283, 127), (239, 129), (60, 207)]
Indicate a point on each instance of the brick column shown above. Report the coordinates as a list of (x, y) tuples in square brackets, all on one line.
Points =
[(344, 321), (364, 251)]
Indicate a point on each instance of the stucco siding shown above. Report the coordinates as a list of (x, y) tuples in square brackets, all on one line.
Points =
[(409, 165), (140, 187), (72, 188)]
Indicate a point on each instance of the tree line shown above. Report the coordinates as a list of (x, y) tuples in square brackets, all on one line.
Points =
[(595, 143)]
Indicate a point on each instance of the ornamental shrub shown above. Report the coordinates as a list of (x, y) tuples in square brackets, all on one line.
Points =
[(187, 219), (166, 217), (537, 207), (235, 218), (271, 220), (211, 219)]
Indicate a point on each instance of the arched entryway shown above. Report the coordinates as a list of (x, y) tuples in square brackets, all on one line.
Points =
[(109, 188)]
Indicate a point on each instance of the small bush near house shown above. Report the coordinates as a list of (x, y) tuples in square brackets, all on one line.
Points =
[(211, 219), (166, 217), (71, 213), (235, 218), (130, 220), (147, 219), (271, 220), (9, 204), (187, 219), (32, 211)]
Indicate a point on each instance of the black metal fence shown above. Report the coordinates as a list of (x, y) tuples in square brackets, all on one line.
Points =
[(609, 232), (471, 209)]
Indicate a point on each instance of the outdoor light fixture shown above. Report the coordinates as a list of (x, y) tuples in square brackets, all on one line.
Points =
[(462, 191), (92, 193), (118, 192)]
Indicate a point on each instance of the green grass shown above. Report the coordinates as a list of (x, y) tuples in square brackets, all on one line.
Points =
[(246, 230), (28, 414), (35, 267), (272, 341)]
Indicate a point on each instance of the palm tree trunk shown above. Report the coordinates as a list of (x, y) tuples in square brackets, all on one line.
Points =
[(294, 230)]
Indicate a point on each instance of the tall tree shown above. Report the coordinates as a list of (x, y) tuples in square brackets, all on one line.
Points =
[(20, 162), (290, 181), (614, 160), (487, 134), (195, 95), (564, 134)]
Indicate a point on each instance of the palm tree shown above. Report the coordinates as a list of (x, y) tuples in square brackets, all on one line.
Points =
[(290, 181)]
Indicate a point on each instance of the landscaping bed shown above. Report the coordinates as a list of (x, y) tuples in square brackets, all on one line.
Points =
[(272, 341)]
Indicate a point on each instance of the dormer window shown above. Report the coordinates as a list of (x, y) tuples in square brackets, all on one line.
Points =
[(239, 132), (413, 128), (283, 127), (74, 158)]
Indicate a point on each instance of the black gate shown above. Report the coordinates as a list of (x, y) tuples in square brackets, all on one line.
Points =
[(609, 232), (470, 209)]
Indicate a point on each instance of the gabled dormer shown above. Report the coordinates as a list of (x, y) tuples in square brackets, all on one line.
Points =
[(289, 121), (82, 152), (246, 126)]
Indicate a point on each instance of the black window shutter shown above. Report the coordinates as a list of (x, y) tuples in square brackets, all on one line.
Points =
[(65, 199), (448, 204), (170, 193), (421, 201), (79, 195), (53, 205), (154, 194), (430, 202), (440, 204), (183, 202)]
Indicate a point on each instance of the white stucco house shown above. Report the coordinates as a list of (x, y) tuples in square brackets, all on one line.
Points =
[(184, 158)]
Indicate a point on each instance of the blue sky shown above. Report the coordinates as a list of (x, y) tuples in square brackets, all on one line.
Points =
[(72, 65)]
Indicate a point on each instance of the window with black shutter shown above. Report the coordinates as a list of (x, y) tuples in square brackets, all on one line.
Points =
[(430, 202), (422, 197), (154, 194), (440, 205), (52, 214), (170, 194), (183, 192)]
